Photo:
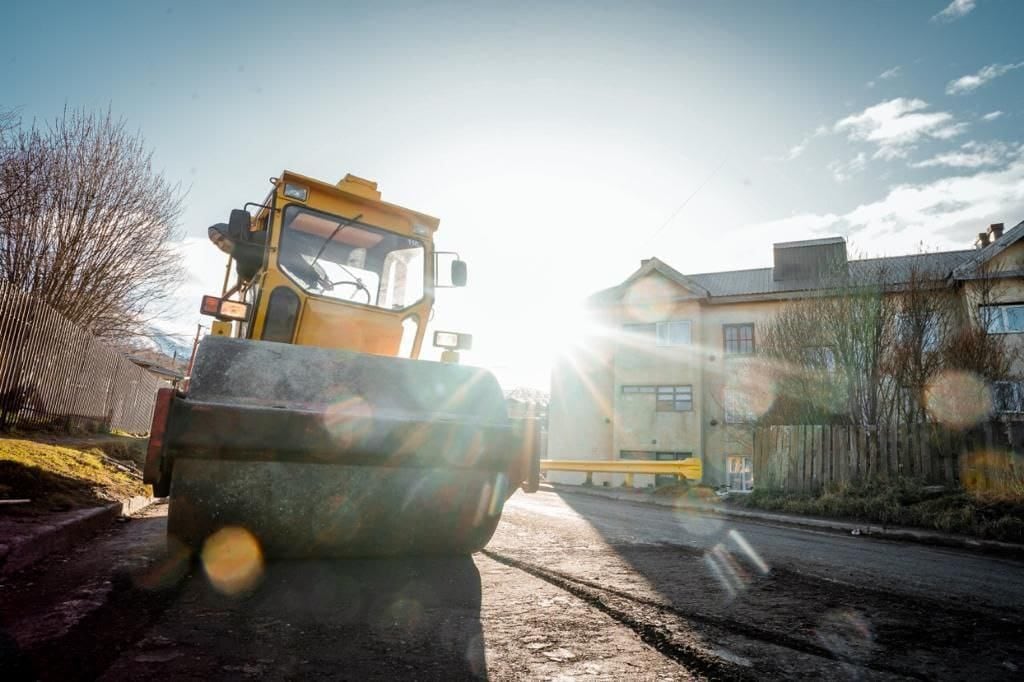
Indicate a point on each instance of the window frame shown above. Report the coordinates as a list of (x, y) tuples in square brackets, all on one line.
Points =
[(674, 390), (657, 390), (1001, 310), (664, 340), (738, 327), (746, 473)]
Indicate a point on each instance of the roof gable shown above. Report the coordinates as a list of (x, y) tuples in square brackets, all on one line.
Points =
[(649, 267), (1009, 238)]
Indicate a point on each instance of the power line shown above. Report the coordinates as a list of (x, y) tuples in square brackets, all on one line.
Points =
[(685, 202)]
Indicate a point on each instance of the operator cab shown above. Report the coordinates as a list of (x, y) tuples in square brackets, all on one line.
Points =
[(330, 266)]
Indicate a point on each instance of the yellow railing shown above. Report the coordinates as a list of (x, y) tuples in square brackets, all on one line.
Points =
[(689, 468)]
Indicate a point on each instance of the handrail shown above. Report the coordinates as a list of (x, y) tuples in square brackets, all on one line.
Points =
[(690, 468)]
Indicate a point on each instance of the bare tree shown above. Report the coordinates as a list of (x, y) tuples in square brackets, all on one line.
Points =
[(86, 223), (827, 352), (864, 352)]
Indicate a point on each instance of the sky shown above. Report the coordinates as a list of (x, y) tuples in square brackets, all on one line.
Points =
[(559, 142)]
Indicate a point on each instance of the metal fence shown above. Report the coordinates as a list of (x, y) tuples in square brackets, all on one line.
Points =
[(54, 374)]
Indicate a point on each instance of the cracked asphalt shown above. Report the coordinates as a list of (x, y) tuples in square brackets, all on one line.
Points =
[(571, 587)]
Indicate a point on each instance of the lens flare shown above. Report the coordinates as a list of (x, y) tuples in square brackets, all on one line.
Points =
[(348, 420), (696, 523), (232, 560), (649, 299), (992, 472), (847, 634), (732, 570), (750, 384), (958, 399)]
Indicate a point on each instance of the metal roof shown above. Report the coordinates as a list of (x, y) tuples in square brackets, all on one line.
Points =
[(889, 271)]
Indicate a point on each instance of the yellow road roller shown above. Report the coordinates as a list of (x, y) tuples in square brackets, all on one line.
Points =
[(307, 418)]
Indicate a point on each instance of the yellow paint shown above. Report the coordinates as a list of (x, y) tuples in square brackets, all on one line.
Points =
[(221, 328)]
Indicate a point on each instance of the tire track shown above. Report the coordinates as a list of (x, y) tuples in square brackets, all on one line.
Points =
[(665, 641)]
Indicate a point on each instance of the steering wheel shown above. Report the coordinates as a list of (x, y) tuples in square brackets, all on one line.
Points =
[(359, 286)]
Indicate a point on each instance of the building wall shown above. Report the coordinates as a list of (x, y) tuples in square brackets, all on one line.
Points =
[(722, 370), (591, 417), (580, 413)]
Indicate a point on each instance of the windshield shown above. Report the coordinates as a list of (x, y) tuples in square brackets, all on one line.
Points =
[(336, 258)]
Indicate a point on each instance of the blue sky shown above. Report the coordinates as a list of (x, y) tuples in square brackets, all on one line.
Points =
[(556, 141)]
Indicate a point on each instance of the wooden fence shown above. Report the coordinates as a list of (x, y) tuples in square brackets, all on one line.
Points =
[(54, 374), (807, 458)]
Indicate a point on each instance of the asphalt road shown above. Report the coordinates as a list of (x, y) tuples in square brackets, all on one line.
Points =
[(571, 587)]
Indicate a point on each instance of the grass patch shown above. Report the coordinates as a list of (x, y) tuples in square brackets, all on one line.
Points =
[(698, 493), (903, 503), (64, 476)]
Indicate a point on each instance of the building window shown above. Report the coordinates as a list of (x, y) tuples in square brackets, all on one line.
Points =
[(1003, 319), (632, 390), (740, 474), (820, 357), (674, 333), (675, 398), (1008, 396), (910, 328), (659, 479), (737, 406), (640, 329), (667, 333), (739, 339)]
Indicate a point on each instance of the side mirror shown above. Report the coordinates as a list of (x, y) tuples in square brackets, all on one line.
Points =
[(459, 273), (239, 225)]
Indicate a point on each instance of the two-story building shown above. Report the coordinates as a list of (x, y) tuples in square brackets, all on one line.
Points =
[(659, 381)]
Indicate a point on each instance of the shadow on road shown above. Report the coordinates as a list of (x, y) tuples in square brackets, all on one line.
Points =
[(162, 617), (361, 619)]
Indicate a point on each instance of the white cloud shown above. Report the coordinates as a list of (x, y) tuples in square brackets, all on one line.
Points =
[(992, 115), (955, 10), (973, 81), (942, 214), (897, 124), (890, 73), (971, 155), (798, 149), (844, 171)]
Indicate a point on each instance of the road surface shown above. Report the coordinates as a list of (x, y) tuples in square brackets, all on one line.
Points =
[(571, 587)]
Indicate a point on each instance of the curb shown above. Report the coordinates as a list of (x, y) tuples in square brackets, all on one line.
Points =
[(899, 534), (41, 540)]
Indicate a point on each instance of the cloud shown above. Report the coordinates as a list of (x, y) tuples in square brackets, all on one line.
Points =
[(955, 10), (971, 155), (798, 149), (941, 214), (973, 81), (844, 171), (896, 125), (992, 115), (888, 74)]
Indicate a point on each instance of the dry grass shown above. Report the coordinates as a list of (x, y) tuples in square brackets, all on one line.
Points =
[(65, 476)]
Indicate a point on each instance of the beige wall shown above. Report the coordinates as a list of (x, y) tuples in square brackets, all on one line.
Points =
[(722, 440)]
